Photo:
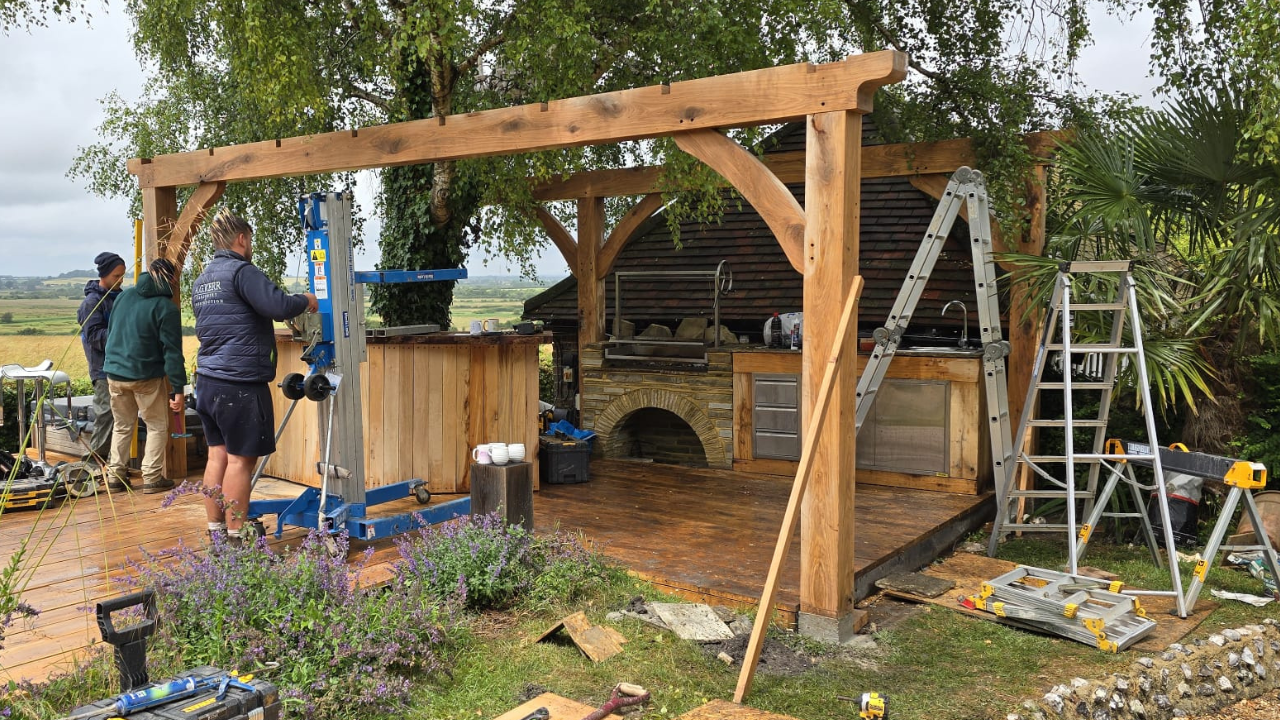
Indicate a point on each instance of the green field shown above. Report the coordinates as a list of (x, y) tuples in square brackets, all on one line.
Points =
[(36, 324)]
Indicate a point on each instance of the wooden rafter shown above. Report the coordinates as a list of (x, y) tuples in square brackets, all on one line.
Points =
[(622, 232), (188, 224), (766, 193), (896, 160), (776, 94), (559, 235)]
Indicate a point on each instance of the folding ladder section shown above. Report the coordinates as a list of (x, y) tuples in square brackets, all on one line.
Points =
[(1059, 471), (966, 187)]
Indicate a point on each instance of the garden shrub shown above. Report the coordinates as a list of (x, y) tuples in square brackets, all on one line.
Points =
[(483, 563), (343, 651), (1261, 442)]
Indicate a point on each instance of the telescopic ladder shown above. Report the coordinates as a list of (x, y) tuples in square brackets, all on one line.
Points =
[(966, 187), (1059, 471)]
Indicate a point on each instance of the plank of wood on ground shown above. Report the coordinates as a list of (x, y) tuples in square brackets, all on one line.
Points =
[(969, 571), (595, 641), (692, 621), (559, 708)]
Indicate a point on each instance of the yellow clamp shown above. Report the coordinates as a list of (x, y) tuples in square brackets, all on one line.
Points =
[(998, 609), (1107, 646), (1246, 476), (1097, 626), (1085, 531), (1115, 447), (1138, 609), (1070, 610), (1115, 586), (1202, 569), (987, 590)]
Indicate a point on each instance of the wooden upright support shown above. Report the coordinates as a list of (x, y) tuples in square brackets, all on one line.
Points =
[(159, 216), (1025, 320), (590, 286), (832, 196)]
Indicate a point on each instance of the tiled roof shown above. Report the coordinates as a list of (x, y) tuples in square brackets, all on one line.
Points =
[(895, 216)]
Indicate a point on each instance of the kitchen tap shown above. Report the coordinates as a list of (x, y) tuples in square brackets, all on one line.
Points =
[(964, 332)]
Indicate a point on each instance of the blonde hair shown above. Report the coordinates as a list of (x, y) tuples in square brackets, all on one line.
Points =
[(226, 226)]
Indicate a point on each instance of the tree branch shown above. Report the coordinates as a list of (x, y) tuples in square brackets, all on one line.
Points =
[(485, 46), (359, 93)]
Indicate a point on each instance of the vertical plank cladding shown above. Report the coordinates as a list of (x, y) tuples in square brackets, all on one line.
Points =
[(425, 407)]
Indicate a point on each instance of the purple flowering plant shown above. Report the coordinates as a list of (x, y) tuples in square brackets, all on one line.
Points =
[(342, 650), (12, 607), (483, 563)]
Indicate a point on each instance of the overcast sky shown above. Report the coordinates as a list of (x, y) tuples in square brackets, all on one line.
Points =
[(54, 77)]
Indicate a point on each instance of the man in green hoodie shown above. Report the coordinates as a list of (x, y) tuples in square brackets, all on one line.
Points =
[(146, 372)]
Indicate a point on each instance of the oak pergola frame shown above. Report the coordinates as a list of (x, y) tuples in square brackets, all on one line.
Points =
[(820, 240)]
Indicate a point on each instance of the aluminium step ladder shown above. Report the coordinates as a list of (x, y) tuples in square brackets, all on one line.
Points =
[(1059, 471), (966, 187)]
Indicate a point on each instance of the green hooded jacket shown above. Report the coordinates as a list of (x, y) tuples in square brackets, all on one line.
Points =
[(144, 337)]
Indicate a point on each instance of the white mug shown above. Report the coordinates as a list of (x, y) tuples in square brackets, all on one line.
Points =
[(476, 327), (491, 325), (499, 455), (483, 457), (516, 452), (478, 450)]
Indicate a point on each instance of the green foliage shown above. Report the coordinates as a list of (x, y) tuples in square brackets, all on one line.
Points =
[(26, 14), (1261, 442)]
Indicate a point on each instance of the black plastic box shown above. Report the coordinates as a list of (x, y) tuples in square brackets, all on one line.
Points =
[(564, 462), (238, 704)]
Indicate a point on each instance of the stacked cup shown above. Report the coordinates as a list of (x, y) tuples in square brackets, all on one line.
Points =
[(499, 453)]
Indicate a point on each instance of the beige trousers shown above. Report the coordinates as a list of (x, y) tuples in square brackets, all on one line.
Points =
[(129, 399)]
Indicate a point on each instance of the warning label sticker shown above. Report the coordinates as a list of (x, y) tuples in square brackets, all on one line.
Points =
[(317, 256), (322, 288), (319, 270)]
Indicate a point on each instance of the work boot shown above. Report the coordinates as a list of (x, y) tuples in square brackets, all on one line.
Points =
[(115, 483), (158, 485)]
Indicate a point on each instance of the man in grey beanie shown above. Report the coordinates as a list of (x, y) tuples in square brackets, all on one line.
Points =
[(95, 310)]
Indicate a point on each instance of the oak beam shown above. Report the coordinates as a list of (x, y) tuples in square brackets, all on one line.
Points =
[(878, 161), (832, 198), (560, 236), (777, 94), (1025, 319), (622, 232), (766, 193), (188, 224), (590, 287)]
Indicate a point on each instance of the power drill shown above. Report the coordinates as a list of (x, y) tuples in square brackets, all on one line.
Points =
[(874, 706)]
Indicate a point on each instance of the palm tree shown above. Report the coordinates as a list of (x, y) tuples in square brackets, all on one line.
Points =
[(1179, 190)]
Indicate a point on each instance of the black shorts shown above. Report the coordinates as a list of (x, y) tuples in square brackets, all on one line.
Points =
[(238, 415)]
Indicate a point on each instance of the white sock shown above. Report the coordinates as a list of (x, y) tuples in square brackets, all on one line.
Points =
[(217, 527), (233, 533)]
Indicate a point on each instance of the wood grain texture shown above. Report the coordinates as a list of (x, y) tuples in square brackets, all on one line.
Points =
[(622, 232), (560, 236), (559, 708), (878, 161), (422, 413), (808, 452), (1025, 326), (776, 94), (832, 196), (725, 710), (590, 286), (504, 489), (766, 193), (188, 223)]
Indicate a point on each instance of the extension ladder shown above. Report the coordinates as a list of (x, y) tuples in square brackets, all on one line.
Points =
[(1059, 336), (966, 186)]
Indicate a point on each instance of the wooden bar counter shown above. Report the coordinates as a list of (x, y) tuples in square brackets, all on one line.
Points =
[(428, 399)]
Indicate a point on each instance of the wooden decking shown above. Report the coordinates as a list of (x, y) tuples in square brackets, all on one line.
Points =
[(710, 533), (707, 534)]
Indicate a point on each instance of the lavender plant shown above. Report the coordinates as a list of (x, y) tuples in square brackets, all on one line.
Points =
[(343, 651), (482, 563), (12, 606)]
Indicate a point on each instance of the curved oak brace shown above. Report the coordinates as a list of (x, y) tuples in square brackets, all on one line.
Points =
[(560, 236), (623, 231), (176, 245), (758, 185)]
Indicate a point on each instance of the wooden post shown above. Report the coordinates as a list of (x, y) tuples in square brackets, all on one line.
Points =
[(1024, 329), (832, 196), (590, 287), (159, 215), (504, 489)]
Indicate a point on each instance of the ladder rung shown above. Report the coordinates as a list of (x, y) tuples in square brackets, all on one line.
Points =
[(1099, 306), (1086, 348), (1086, 457), (1077, 386), (1059, 423), (1080, 494), (1033, 527)]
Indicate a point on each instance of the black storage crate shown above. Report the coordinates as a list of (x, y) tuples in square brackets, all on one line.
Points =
[(238, 704), (564, 462)]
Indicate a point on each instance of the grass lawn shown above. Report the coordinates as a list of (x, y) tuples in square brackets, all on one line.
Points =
[(932, 663)]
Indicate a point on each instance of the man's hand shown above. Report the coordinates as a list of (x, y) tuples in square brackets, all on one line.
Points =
[(312, 303), (177, 402)]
